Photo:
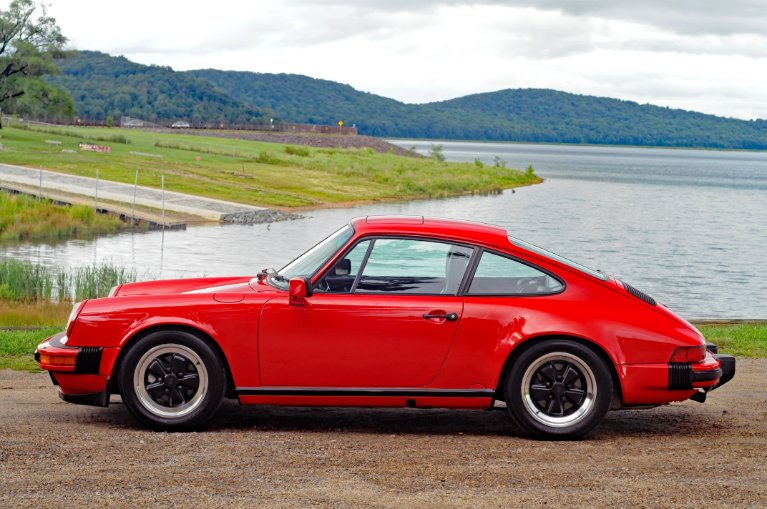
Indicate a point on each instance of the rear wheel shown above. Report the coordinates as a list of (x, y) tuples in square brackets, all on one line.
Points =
[(558, 389), (172, 380)]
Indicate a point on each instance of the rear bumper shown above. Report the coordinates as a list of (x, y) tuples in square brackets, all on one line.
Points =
[(714, 371), (658, 384), (727, 365)]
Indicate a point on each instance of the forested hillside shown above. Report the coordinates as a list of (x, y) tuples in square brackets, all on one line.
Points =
[(102, 85)]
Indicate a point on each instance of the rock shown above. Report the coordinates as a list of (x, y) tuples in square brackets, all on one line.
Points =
[(258, 217)]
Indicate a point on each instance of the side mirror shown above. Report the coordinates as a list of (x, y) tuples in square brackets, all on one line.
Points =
[(300, 288)]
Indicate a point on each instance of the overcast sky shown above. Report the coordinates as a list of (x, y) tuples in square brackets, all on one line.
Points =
[(704, 55)]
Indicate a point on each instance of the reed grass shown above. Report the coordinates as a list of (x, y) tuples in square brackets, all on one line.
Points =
[(23, 281)]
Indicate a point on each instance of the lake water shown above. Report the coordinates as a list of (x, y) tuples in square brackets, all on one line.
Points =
[(686, 226)]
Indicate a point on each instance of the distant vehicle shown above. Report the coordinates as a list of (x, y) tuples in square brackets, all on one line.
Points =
[(389, 312), (180, 125)]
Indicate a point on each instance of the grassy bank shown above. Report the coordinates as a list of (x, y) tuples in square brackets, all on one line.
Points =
[(256, 173), (745, 339), (24, 218), (16, 347)]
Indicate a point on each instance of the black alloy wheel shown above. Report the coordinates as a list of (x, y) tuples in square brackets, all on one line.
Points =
[(172, 380), (558, 389)]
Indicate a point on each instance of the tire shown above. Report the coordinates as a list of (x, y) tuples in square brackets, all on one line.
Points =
[(172, 380), (558, 389)]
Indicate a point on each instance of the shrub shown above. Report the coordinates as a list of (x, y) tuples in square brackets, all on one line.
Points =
[(435, 152), (297, 151)]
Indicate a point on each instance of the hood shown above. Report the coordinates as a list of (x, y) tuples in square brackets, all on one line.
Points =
[(177, 286)]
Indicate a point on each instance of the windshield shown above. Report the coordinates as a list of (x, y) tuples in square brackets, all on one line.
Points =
[(311, 261), (556, 257)]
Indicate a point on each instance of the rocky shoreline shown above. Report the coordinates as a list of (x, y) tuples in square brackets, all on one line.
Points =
[(259, 217)]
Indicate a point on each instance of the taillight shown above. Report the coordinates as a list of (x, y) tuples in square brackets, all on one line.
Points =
[(689, 354)]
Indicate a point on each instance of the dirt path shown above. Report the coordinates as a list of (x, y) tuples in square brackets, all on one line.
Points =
[(53, 454), (310, 139)]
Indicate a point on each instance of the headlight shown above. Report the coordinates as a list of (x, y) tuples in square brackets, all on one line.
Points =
[(73, 316)]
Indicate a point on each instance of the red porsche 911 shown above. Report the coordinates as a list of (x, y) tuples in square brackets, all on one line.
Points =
[(389, 312)]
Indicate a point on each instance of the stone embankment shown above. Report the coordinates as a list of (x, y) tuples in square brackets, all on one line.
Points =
[(118, 198)]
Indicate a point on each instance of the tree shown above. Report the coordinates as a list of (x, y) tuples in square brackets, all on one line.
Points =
[(29, 44), (435, 152)]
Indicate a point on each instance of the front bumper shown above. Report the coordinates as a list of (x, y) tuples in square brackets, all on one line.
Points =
[(76, 370), (53, 355)]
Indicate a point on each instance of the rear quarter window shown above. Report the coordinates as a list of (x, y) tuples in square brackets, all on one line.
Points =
[(501, 275)]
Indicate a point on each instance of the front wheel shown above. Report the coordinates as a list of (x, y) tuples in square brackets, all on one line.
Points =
[(558, 389), (172, 380)]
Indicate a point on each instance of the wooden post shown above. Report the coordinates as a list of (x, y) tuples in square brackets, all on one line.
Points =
[(162, 184), (133, 211), (96, 196)]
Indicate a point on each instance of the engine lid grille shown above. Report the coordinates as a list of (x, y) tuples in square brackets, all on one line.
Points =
[(639, 294)]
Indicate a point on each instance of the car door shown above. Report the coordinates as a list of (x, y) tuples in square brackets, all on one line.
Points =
[(384, 316)]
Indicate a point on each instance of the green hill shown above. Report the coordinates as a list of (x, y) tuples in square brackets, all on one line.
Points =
[(307, 100), (102, 85)]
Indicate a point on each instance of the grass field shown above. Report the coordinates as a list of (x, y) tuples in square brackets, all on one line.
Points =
[(16, 347), (24, 218), (747, 339), (250, 172)]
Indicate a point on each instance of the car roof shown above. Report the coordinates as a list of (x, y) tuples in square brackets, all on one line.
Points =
[(466, 231)]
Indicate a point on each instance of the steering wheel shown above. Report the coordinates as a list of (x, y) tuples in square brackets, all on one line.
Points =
[(322, 286)]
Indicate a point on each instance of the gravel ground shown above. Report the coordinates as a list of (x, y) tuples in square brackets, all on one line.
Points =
[(54, 454)]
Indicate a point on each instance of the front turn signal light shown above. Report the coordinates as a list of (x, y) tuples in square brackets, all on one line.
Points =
[(689, 354), (57, 360)]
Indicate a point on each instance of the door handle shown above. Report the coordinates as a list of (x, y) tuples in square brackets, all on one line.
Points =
[(451, 317)]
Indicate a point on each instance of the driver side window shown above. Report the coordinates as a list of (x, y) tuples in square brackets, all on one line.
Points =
[(399, 266), (341, 276)]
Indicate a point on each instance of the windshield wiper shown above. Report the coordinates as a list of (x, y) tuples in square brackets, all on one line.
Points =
[(273, 273)]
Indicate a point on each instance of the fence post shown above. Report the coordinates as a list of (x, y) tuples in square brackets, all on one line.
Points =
[(133, 212), (162, 184), (96, 196), (40, 186), (162, 236)]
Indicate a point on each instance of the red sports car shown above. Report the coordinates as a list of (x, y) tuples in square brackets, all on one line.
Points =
[(389, 312)]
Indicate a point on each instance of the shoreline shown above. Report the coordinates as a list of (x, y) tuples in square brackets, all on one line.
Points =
[(566, 144)]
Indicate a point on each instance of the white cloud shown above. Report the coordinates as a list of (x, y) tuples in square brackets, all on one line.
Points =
[(704, 55)]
